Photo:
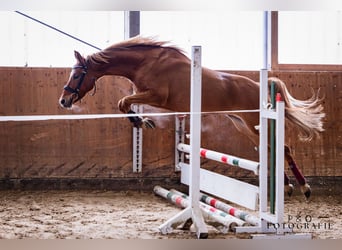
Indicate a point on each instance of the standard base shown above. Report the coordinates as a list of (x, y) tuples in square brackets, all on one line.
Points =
[(183, 217)]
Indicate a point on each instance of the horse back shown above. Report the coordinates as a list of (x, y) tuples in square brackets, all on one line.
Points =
[(224, 91)]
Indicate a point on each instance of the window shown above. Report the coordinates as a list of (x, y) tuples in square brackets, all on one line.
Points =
[(308, 40), (229, 40), (27, 43)]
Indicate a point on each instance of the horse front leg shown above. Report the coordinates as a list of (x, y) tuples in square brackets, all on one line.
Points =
[(139, 121), (125, 103), (304, 186)]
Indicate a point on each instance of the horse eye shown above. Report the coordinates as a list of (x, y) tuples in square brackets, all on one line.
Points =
[(76, 77)]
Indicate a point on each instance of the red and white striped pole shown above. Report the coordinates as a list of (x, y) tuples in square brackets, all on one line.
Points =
[(224, 158), (210, 214)]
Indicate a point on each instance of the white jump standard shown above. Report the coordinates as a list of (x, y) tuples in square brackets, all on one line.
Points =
[(193, 211)]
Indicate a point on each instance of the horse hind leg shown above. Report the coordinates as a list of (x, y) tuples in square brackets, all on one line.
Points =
[(243, 128), (288, 187), (304, 186)]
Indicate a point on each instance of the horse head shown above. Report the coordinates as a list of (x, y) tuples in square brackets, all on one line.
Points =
[(79, 83)]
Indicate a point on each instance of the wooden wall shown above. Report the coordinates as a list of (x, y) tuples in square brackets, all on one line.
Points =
[(102, 148)]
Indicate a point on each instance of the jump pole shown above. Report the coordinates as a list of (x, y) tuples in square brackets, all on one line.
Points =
[(219, 219), (223, 158), (214, 209), (249, 218), (193, 211)]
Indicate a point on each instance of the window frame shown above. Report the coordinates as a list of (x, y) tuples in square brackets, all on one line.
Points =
[(275, 65)]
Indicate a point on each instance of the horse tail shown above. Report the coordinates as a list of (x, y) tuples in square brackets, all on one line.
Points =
[(307, 115)]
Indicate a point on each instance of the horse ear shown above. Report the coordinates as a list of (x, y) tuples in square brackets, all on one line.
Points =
[(80, 59)]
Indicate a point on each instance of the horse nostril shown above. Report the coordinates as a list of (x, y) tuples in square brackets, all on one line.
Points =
[(62, 101)]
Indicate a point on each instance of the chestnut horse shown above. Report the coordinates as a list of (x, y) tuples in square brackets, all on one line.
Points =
[(161, 77)]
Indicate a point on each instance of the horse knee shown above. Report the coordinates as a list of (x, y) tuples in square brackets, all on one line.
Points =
[(123, 105)]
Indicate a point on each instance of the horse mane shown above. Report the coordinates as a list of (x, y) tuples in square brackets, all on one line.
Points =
[(143, 41), (138, 41)]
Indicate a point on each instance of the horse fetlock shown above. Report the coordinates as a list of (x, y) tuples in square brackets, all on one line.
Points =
[(289, 189), (306, 190), (136, 120), (140, 122)]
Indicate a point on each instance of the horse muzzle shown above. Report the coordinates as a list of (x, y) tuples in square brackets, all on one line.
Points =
[(66, 102)]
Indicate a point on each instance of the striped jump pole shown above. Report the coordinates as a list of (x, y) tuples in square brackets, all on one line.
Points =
[(223, 158), (250, 219), (223, 221), (216, 210), (225, 209)]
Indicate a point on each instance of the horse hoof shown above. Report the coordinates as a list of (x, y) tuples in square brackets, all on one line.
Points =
[(289, 189), (148, 123), (306, 190)]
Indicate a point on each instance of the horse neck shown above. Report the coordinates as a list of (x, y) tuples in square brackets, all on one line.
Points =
[(122, 63)]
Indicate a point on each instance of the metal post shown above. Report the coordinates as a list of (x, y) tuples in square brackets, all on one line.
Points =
[(266, 64), (131, 29), (263, 133), (132, 23), (263, 149)]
